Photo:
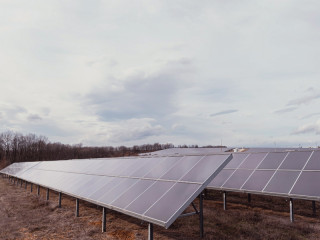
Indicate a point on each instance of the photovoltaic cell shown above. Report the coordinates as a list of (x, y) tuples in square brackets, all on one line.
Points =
[(272, 160), (220, 179), (149, 197), (237, 179), (295, 160), (282, 182), (307, 185), (176, 196), (258, 180), (236, 160), (314, 162), (252, 161)]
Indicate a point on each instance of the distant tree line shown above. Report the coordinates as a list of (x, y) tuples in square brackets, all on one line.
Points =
[(16, 147)]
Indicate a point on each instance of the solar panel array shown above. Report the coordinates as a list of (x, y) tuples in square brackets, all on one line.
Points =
[(292, 174), (187, 151), (156, 190)]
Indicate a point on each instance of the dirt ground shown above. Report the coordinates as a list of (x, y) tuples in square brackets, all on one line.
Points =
[(25, 215)]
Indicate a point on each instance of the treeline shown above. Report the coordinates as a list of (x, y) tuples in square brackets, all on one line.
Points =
[(16, 147)]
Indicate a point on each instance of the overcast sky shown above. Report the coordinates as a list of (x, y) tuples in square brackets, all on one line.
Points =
[(185, 72)]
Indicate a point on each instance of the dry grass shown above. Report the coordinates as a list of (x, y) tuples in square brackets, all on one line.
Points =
[(24, 215)]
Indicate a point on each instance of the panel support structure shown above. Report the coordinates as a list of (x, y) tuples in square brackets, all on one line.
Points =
[(59, 203), (314, 207), (201, 215), (38, 190), (224, 196), (26, 185), (150, 231), (249, 197), (291, 210), (104, 219), (31, 186), (77, 207), (48, 191)]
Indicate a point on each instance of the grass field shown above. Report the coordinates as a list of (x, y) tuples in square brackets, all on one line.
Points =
[(24, 215)]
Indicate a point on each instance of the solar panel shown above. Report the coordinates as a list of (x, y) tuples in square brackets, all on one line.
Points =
[(156, 190), (294, 174)]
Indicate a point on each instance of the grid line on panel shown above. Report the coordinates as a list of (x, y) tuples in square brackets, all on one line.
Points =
[(253, 171), (125, 177), (182, 205), (171, 186), (300, 172), (164, 159), (159, 178), (234, 170), (192, 168), (158, 199), (140, 194), (276, 170)]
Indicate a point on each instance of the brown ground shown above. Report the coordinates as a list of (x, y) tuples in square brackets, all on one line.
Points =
[(24, 215)]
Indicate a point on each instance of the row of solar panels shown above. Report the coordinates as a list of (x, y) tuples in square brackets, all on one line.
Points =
[(291, 174), (156, 190), (216, 150)]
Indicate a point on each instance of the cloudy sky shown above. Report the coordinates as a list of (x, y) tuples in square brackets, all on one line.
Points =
[(179, 71)]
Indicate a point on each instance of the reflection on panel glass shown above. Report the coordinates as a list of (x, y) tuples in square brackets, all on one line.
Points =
[(252, 161), (181, 168), (237, 179), (307, 184), (219, 180), (236, 160), (295, 160), (176, 196), (273, 160), (132, 193), (149, 197), (204, 168), (159, 170), (258, 180), (282, 182), (314, 161)]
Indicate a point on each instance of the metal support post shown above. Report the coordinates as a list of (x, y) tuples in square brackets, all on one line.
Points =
[(201, 214), (48, 194), (26, 185), (291, 210), (224, 200), (77, 207), (38, 190), (104, 219), (60, 199), (314, 207), (31, 187), (21, 183), (249, 197), (14, 181), (150, 231)]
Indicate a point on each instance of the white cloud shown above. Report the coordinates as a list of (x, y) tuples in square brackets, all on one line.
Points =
[(313, 128)]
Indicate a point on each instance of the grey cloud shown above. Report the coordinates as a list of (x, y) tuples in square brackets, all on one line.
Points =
[(285, 110), (11, 112), (310, 115), (224, 112), (308, 128), (142, 95), (34, 117), (135, 129), (306, 99)]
